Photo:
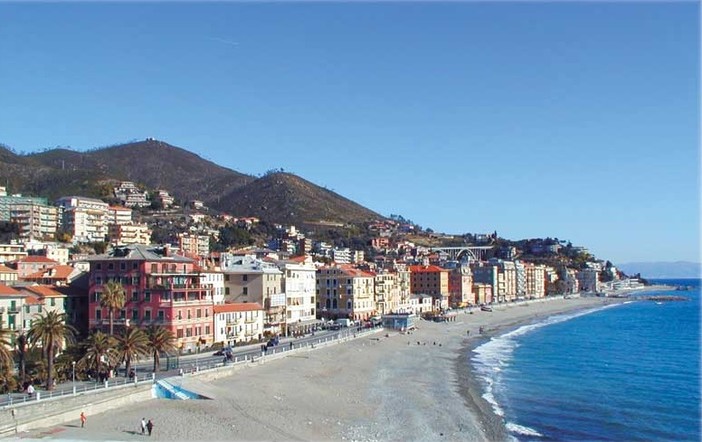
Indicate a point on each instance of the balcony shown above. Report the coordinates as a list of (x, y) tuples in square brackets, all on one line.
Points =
[(13, 310)]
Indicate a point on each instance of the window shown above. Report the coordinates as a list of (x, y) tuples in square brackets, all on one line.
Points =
[(198, 313), (123, 265), (26, 308), (226, 291), (135, 295), (39, 309), (147, 296), (135, 315), (245, 278), (122, 314), (147, 315), (246, 290), (161, 315), (188, 332), (98, 314), (135, 266), (98, 280), (207, 329), (226, 277), (180, 315), (154, 268), (98, 266), (179, 333), (207, 312), (189, 316), (111, 266)]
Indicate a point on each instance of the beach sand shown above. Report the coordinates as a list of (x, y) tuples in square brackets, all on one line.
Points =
[(389, 386)]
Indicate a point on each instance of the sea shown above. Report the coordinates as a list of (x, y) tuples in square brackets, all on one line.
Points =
[(624, 372)]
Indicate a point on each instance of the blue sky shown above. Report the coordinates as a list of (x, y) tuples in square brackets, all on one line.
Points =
[(571, 120)]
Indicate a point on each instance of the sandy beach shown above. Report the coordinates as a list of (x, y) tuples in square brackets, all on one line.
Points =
[(389, 386)]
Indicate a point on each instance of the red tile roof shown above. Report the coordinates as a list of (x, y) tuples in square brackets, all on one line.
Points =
[(5, 269), (55, 272), (237, 307), (43, 290), (36, 258), (8, 291), (426, 269), (33, 300)]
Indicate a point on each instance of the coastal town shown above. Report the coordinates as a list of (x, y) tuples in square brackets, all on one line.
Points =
[(242, 295)]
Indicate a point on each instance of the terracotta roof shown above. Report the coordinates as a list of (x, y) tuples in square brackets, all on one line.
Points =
[(5, 269), (36, 258), (426, 269), (354, 272), (8, 291), (55, 272), (43, 290), (33, 300), (237, 307)]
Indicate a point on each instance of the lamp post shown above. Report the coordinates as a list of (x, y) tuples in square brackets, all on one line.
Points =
[(74, 377)]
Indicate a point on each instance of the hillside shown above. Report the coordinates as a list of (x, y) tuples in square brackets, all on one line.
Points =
[(289, 199), (152, 163), (279, 197), (654, 270)]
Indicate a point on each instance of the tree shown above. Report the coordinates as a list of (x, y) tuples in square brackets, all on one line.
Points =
[(6, 361), (131, 344), (22, 356), (97, 351), (112, 299), (50, 331), (161, 340)]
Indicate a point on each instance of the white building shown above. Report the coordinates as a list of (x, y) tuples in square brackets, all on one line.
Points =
[(119, 215), (299, 285), (238, 323), (215, 280), (84, 218)]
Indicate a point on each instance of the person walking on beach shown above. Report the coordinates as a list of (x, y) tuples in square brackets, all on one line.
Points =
[(143, 425), (149, 426), (82, 419)]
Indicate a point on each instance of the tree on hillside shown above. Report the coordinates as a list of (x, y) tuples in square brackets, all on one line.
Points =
[(112, 298), (50, 331)]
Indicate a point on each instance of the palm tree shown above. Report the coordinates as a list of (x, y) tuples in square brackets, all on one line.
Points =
[(6, 361), (132, 344), (97, 348), (161, 340), (50, 331), (112, 298), (22, 356)]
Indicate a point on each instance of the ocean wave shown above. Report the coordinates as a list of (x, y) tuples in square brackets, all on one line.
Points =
[(521, 429), (490, 358)]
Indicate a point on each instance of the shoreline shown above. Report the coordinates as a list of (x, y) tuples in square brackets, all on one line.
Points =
[(415, 386)]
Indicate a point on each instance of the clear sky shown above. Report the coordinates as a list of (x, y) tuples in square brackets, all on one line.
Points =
[(571, 120)]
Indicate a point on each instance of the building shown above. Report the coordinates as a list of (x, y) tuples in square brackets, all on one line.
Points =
[(299, 285), (194, 244), (344, 292), (12, 312), (131, 196), (238, 323), (8, 276), (399, 321), (35, 220), (249, 279), (431, 280), (535, 280), (214, 279), (55, 251), (387, 292), (57, 276), (161, 289), (501, 275), (342, 255), (164, 198), (7, 200), (588, 280), (125, 234), (483, 293), (32, 264), (461, 287), (119, 215), (86, 219), (12, 252)]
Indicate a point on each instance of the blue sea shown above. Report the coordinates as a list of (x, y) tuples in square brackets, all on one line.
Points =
[(627, 372)]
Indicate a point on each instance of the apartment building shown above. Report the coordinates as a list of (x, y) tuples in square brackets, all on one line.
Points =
[(483, 293), (431, 280), (35, 220), (194, 244), (164, 198), (119, 215), (125, 234), (249, 279), (161, 289), (238, 323), (299, 285), (214, 279), (12, 252), (86, 219), (345, 292), (8, 200), (131, 195), (8, 276), (589, 280), (535, 280), (387, 292)]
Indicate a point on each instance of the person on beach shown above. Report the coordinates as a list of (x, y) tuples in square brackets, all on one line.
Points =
[(143, 425), (82, 419), (149, 426)]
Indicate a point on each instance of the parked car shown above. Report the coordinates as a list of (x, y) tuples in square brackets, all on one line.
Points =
[(344, 322), (486, 308)]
